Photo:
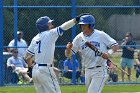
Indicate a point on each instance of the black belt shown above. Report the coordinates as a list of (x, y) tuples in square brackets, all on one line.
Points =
[(45, 65), (95, 67)]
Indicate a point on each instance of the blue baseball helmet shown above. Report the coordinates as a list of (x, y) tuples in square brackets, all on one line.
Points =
[(87, 19), (42, 23)]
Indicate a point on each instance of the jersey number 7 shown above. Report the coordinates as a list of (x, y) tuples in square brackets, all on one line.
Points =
[(39, 45)]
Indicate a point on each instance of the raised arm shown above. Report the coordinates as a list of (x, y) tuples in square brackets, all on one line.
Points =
[(67, 25)]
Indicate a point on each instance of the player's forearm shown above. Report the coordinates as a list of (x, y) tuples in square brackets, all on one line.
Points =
[(113, 49), (26, 56), (67, 25)]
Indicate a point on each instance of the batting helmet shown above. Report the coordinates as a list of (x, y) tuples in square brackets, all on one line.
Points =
[(87, 19), (42, 23)]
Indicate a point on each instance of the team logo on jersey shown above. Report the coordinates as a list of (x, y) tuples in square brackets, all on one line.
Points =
[(96, 44)]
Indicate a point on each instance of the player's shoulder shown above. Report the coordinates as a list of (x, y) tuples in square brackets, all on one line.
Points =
[(35, 37), (80, 35), (52, 32), (100, 32), (41, 35)]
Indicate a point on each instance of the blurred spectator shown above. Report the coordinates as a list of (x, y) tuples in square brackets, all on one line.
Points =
[(127, 58), (20, 43), (18, 65), (68, 69), (61, 65), (12, 77), (111, 69), (137, 66)]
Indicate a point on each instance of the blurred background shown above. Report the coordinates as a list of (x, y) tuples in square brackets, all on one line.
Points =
[(115, 17)]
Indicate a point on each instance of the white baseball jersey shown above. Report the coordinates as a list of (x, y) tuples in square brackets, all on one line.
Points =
[(95, 77), (99, 39), (22, 43), (43, 46)]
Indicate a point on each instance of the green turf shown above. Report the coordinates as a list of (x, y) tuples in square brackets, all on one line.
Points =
[(116, 59), (75, 89)]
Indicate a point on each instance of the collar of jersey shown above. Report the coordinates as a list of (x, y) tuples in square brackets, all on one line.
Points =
[(90, 34)]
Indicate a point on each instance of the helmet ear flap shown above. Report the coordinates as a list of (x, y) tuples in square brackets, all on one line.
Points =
[(42, 27), (80, 26)]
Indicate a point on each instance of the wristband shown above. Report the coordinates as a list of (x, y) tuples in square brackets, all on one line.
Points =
[(110, 51)]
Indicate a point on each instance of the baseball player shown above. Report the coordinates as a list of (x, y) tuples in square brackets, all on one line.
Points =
[(95, 64), (42, 48)]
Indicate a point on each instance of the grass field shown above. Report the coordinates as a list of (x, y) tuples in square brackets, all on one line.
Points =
[(116, 59), (81, 88), (75, 89)]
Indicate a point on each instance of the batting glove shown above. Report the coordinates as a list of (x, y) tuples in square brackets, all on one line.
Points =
[(78, 17)]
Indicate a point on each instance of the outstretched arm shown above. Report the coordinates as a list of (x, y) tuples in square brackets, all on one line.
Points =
[(67, 25), (28, 58)]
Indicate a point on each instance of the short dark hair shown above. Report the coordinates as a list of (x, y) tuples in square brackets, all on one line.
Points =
[(129, 33)]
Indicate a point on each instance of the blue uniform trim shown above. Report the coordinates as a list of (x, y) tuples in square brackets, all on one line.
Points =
[(114, 44), (73, 51), (52, 80), (30, 52), (102, 80), (60, 31)]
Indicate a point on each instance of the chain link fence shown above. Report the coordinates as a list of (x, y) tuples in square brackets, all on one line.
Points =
[(115, 17)]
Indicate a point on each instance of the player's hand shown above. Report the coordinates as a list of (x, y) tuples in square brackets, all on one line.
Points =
[(78, 17), (105, 55), (69, 45)]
